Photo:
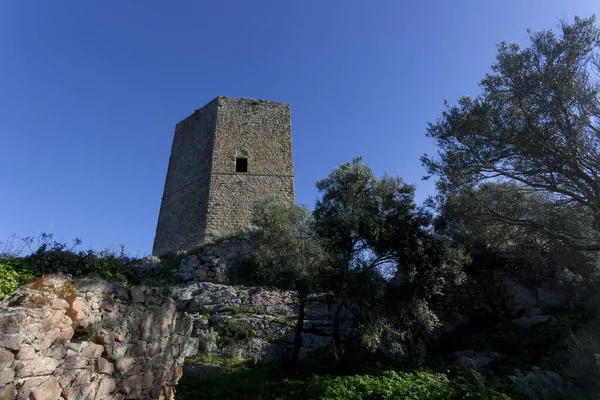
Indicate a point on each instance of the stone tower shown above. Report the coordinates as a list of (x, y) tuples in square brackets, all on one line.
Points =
[(225, 156)]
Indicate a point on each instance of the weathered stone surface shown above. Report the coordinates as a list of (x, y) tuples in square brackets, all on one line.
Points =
[(270, 314), (37, 366), (56, 352), (105, 366), (59, 304), (7, 359), (92, 350), (75, 362), (6, 376), (476, 360), (123, 364), (205, 196), (11, 321), (45, 337), (106, 387), (26, 352), (52, 360), (49, 390), (8, 392), (11, 341), (137, 295)]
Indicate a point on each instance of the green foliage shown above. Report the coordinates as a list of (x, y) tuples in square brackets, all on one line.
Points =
[(53, 256), (543, 345), (535, 128), (396, 385), (208, 341), (375, 232), (12, 275), (228, 362), (232, 330), (287, 254), (243, 380)]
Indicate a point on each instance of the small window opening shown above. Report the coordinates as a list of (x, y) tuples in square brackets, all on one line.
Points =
[(241, 165)]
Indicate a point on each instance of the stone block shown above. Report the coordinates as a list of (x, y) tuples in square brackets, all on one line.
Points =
[(82, 378), (8, 392), (105, 366), (106, 387), (36, 367), (57, 352), (76, 362), (11, 322), (59, 304), (65, 335), (26, 352), (123, 364), (137, 295), (45, 338), (11, 341), (92, 350), (49, 390), (7, 358), (137, 351), (7, 376)]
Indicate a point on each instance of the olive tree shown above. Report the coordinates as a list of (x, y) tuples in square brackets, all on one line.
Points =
[(377, 236), (288, 256), (535, 129)]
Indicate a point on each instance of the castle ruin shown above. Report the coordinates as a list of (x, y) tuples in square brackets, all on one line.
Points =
[(225, 156)]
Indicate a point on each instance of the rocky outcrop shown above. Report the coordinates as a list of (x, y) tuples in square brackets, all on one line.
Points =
[(255, 323), (476, 360), (91, 339)]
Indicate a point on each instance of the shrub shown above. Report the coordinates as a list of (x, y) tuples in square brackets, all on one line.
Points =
[(208, 339), (418, 385), (244, 380), (53, 256), (13, 275), (234, 330), (539, 384), (391, 385)]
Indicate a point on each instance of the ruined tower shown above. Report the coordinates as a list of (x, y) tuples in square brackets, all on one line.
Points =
[(225, 156)]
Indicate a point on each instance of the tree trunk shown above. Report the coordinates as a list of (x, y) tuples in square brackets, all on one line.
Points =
[(337, 334), (298, 337)]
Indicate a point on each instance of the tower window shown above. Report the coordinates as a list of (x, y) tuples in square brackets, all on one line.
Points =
[(241, 165)]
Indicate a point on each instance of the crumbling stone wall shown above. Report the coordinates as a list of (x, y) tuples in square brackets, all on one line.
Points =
[(478, 298), (91, 340), (512, 294), (213, 263), (205, 197)]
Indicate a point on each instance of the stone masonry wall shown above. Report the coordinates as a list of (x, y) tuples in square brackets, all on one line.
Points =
[(184, 206), (213, 263), (204, 197), (260, 131), (91, 340)]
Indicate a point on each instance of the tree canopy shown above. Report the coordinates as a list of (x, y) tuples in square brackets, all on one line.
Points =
[(372, 228), (535, 129)]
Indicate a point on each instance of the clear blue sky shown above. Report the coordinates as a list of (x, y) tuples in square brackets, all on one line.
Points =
[(90, 92)]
